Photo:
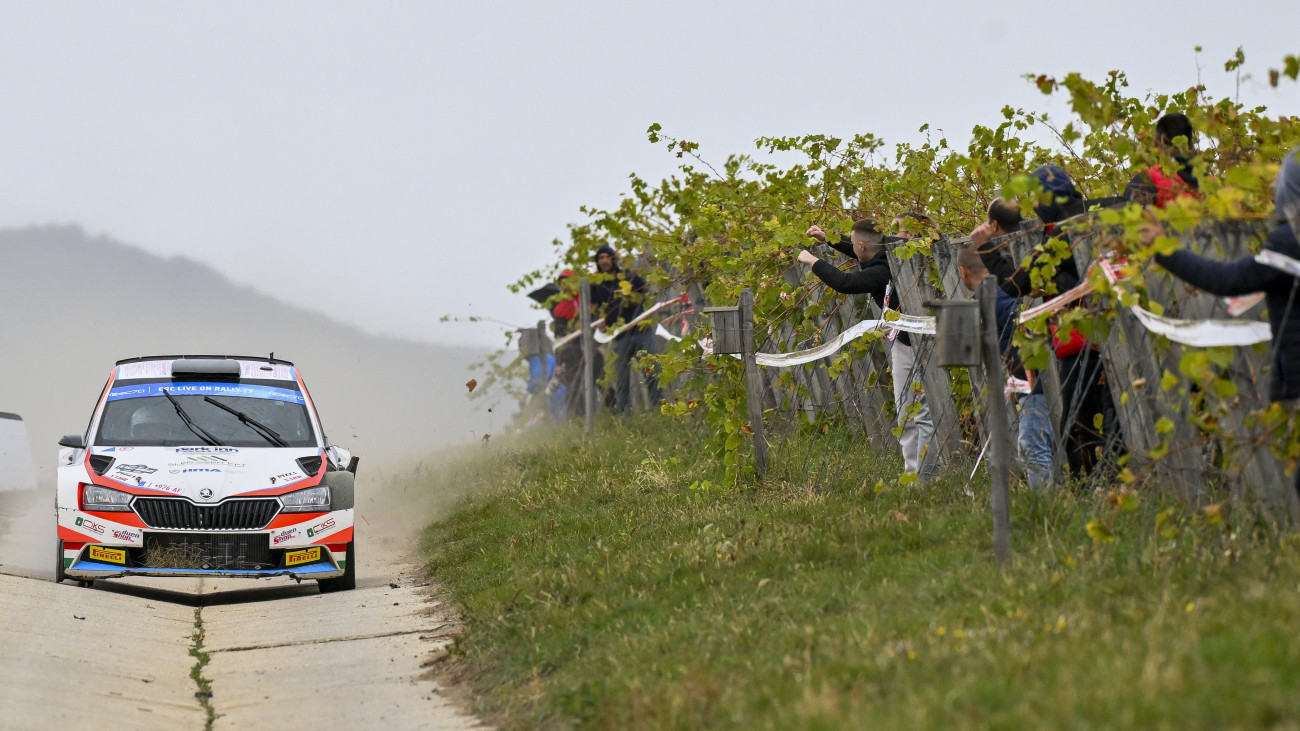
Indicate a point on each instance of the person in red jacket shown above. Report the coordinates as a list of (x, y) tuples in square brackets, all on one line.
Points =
[(1153, 187)]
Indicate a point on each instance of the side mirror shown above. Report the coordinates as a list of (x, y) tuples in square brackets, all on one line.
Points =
[(72, 440), (352, 465)]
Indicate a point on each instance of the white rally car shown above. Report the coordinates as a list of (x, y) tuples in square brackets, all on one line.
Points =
[(205, 466)]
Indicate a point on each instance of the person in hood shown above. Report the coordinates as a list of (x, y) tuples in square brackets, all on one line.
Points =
[(1245, 275), (1058, 201), (1152, 187), (872, 276), (621, 306), (1084, 392)]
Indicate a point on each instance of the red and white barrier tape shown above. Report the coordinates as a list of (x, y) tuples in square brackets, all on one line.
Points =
[(1196, 333)]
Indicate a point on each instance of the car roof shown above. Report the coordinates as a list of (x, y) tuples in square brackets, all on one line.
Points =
[(249, 367), (271, 359)]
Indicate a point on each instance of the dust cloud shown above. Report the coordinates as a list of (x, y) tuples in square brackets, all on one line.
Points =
[(27, 533), (72, 305)]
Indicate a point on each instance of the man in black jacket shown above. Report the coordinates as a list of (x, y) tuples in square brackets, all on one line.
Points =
[(1246, 275), (872, 276), (622, 305)]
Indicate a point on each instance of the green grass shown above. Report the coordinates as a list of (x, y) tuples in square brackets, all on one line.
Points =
[(600, 590)]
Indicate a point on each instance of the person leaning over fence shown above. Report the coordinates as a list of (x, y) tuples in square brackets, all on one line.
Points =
[(872, 277), (1174, 138), (1003, 218), (1086, 399), (1059, 200), (622, 305), (1035, 437), (1246, 275)]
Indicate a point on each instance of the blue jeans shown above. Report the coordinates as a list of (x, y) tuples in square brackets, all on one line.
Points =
[(626, 346), (1035, 439)]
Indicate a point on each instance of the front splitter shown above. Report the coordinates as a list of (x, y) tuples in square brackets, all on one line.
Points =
[(84, 570)]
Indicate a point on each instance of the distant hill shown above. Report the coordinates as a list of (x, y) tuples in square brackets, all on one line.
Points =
[(71, 305)]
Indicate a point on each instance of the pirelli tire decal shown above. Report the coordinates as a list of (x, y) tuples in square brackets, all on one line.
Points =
[(304, 556), (108, 555)]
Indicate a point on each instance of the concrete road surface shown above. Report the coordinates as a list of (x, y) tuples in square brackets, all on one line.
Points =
[(126, 652)]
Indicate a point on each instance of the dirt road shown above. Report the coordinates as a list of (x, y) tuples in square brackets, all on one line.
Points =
[(146, 653)]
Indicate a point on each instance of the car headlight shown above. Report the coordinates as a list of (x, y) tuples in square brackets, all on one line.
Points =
[(312, 500), (96, 497)]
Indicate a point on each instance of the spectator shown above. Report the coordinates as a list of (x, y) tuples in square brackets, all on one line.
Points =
[(1035, 437), (1003, 218), (568, 357), (1084, 393), (1227, 279), (1152, 187), (910, 225), (622, 307), (1060, 200), (872, 277), (543, 383), (564, 312)]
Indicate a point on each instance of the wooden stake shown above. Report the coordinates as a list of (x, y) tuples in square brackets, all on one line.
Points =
[(588, 355), (999, 428), (753, 382)]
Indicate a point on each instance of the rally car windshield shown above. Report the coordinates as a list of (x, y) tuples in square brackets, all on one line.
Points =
[(260, 416)]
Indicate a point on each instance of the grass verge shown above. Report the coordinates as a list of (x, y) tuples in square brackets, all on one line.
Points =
[(615, 585)]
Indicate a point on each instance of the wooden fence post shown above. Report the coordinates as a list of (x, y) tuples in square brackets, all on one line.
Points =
[(944, 253), (999, 428), (543, 340), (913, 286), (1249, 450), (753, 382), (1133, 374), (588, 355)]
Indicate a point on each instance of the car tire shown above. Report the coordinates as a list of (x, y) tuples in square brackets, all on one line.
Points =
[(346, 582), (59, 576)]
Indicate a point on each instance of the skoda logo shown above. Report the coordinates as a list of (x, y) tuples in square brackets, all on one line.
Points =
[(205, 493)]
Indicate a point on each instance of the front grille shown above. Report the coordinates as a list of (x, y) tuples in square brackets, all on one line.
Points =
[(182, 514), (229, 551)]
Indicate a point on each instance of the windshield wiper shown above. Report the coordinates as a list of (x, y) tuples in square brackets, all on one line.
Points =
[(189, 422), (262, 430)]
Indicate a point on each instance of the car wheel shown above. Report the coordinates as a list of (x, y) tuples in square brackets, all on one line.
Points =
[(59, 576), (348, 580)]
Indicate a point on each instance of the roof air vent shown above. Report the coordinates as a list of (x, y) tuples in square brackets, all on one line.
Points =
[(205, 368)]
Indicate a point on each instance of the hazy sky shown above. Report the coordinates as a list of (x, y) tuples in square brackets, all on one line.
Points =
[(389, 163)]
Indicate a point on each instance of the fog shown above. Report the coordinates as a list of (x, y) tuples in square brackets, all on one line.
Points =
[(425, 154), (72, 305)]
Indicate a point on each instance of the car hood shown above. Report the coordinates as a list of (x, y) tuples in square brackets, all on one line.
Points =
[(207, 474)]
